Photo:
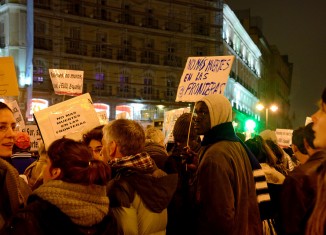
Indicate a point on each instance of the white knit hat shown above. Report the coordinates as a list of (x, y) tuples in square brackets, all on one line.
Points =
[(220, 109)]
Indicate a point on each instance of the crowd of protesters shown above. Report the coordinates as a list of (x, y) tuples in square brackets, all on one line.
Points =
[(120, 178)]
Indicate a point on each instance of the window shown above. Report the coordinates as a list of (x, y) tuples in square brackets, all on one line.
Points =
[(38, 71), (99, 81)]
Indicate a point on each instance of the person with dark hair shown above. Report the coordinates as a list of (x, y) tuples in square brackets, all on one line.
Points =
[(13, 189), (300, 186), (226, 197), (93, 139), (139, 191), (73, 198), (317, 221), (183, 159), (274, 178), (280, 156), (302, 142)]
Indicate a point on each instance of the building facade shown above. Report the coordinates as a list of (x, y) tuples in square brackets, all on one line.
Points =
[(132, 52)]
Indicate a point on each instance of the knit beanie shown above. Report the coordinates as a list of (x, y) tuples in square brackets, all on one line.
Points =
[(22, 140), (181, 128), (220, 109)]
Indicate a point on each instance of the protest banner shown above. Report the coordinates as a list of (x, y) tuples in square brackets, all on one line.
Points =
[(169, 120), (35, 136), (8, 78), (203, 76), (284, 137), (17, 115), (103, 117), (67, 82), (71, 118)]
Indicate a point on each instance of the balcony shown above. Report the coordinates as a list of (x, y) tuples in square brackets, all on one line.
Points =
[(149, 57), (126, 55), (43, 43)]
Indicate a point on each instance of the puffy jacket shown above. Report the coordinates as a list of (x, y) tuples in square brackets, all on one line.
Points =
[(139, 202)]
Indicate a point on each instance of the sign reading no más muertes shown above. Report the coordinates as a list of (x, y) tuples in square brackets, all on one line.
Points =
[(203, 76), (71, 118)]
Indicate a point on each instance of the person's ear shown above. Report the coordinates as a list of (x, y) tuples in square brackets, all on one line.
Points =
[(294, 148), (113, 148), (55, 173)]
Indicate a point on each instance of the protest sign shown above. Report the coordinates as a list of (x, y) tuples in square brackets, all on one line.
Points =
[(17, 115), (203, 76), (8, 78), (67, 82), (103, 117), (169, 120), (308, 120), (284, 137), (35, 136), (71, 118)]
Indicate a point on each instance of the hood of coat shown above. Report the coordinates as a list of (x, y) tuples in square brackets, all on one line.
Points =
[(220, 109)]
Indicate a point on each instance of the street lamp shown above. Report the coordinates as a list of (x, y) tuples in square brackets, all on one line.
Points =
[(272, 107)]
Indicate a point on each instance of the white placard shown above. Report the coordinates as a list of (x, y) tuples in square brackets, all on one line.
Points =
[(70, 118), (284, 137), (67, 82), (35, 136), (17, 115), (169, 120), (203, 76)]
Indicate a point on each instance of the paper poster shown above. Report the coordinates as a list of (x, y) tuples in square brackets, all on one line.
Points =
[(67, 82), (203, 76), (103, 117), (17, 115), (169, 120), (284, 137), (8, 78), (35, 136), (70, 118), (308, 120)]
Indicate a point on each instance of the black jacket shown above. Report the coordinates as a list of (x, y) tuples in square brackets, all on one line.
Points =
[(41, 217)]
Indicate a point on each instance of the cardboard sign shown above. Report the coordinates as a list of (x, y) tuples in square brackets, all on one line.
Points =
[(67, 82), (8, 78), (70, 118), (284, 137), (169, 120), (17, 115), (35, 136), (203, 76)]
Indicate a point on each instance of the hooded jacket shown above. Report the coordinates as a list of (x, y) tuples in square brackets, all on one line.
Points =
[(225, 186), (139, 198)]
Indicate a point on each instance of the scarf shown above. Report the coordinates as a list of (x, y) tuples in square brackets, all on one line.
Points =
[(18, 190), (86, 205), (140, 161), (225, 131)]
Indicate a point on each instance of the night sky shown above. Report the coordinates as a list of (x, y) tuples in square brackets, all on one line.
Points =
[(297, 28)]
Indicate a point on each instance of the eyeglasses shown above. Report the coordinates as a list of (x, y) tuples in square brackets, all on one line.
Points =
[(5, 128)]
